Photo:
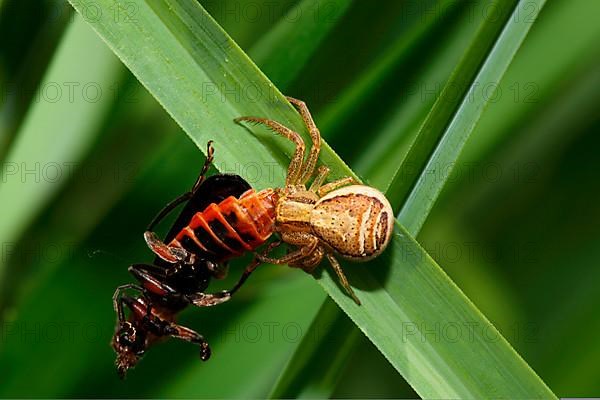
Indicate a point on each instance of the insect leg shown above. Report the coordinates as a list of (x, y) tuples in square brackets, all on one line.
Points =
[(210, 156), (168, 208), (150, 283), (183, 333), (169, 254), (342, 277), (295, 167), (315, 135), (118, 299), (161, 327), (201, 299), (155, 270), (186, 196)]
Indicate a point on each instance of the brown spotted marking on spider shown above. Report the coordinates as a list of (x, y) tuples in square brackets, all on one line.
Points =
[(341, 218)]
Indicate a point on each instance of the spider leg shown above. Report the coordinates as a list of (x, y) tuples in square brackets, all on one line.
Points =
[(296, 164), (315, 136), (331, 186), (322, 173), (307, 242), (342, 277)]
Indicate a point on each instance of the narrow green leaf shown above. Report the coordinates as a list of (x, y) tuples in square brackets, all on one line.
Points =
[(471, 79), (525, 85), (24, 62), (404, 293), (446, 105), (57, 130), (396, 132)]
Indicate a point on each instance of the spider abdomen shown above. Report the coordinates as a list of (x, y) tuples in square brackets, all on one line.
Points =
[(356, 221), (230, 228)]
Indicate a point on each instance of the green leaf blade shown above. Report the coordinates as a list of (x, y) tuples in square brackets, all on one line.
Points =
[(461, 123), (403, 287), (58, 130)]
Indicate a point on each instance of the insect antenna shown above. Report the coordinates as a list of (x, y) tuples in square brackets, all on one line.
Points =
[(98, 252)]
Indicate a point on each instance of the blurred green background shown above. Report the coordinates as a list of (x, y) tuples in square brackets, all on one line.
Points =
[(88, 157)]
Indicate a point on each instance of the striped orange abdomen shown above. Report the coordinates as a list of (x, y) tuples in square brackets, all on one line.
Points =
[(230, 228)]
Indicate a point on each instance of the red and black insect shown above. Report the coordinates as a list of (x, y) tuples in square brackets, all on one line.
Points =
[(222, 219)]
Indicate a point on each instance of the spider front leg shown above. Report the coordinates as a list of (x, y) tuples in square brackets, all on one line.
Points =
[(315, 135), (295, 169)]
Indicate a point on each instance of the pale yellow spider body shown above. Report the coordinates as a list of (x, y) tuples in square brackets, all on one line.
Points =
[(341, 218)]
